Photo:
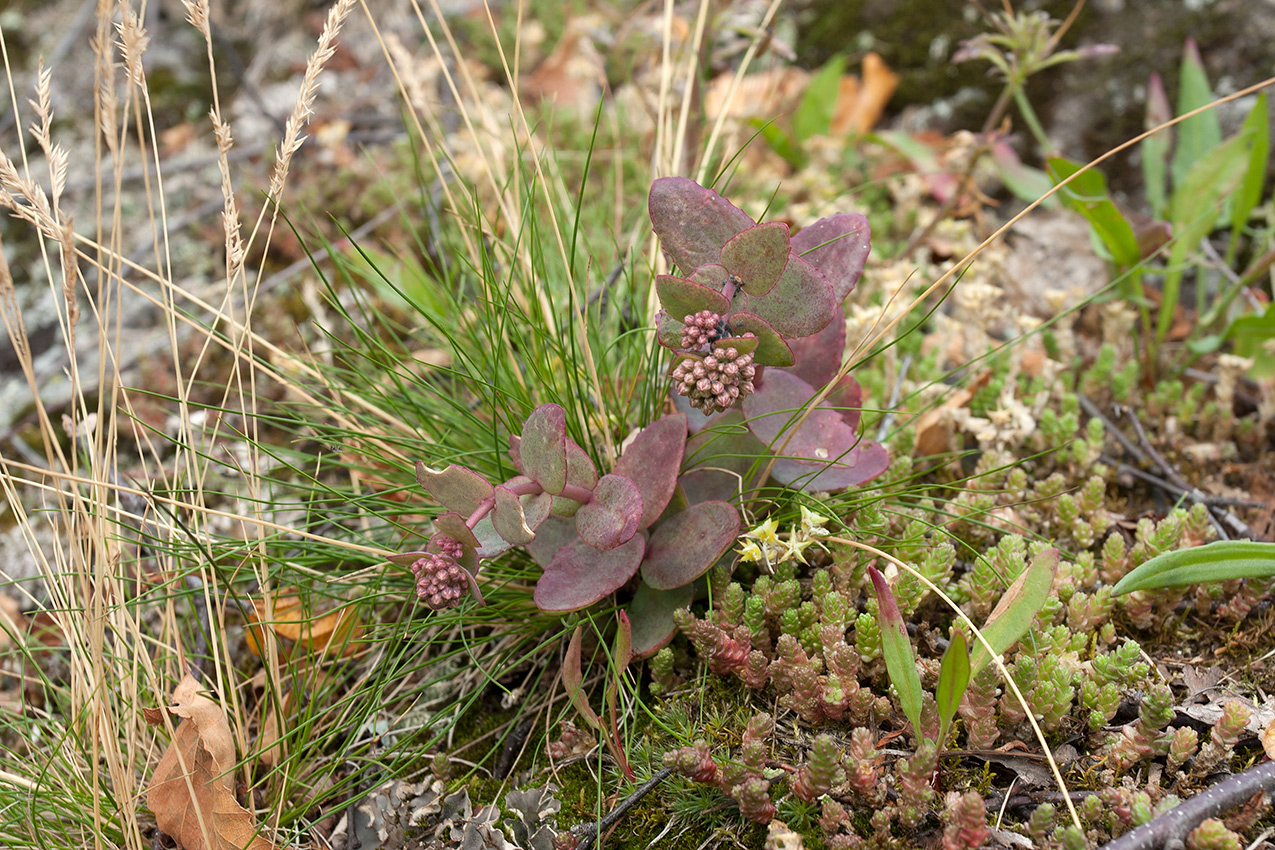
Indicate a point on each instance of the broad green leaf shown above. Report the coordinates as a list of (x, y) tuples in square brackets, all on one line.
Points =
[(1193, 212), (1249, 194), (1249, 334), (1220, 561), (814, 113), (1155, 149), (1088, 195), (1016, 611), (954, 678), (1198, 136), (781, 142), (896, 649)]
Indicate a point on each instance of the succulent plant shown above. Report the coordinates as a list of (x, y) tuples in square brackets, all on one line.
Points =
[(750, 297), (592, 534)]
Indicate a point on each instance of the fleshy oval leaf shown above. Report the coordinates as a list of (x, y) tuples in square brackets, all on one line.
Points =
[(652, 462), (554, 533), (490, 543), (580, 473), (800, 304), (772, 350), (685, 545), (705, 485), (543, 449), (818, 356), (508, 519), (456, 488), (668, 330), (713, 276), (758, 256), (580, 575), (682, 297), (838, 246), (651, 611), (612, 517), (693, 223)]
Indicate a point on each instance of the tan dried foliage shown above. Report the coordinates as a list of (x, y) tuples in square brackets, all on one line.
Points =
[(192, 792), (335, 631)]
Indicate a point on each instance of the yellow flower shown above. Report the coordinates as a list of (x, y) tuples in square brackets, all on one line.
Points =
[(812, 523)]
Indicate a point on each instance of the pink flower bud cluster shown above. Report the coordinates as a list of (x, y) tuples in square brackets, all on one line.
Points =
[(700, 329), (440, 581), (717, 381)]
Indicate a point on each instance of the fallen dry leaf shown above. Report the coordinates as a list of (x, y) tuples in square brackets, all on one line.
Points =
[(935, 428), (192, 792), (860, 104), (1268, 739), (339, 629)]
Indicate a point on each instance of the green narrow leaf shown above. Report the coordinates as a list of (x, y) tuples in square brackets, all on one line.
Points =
[(814, 113), (1249, 194), (954, 678), (781, 142), (896, 649), (1016, 611), (1220, 561), (1199, 135), (573, 678), (621, 655), (1088, 195), (1194, 209)]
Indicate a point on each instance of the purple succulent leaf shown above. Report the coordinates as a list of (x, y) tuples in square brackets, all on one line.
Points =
[(823, 453), (455, 488), (554, 533), (801, 304), (771, 348), (543, 450), (613, 515), (818, 356), (580, 575), (652, 613), (693, 223), (508, 519), (652, 462), (681, 297), (406, 559), (695, 419), (837, 246), (847, 399), (705, 485), (712, 275), (453, 525), (758, 256), (580, 473), (684, 546)]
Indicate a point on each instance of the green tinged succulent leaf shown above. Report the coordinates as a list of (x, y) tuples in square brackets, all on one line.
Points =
[(455, 488), (896, 649), (771, 349), (800, 304), (685, 545), (508, 519), (453, 525), (682, 297), (543, 450), (711, 275), (652, 462), (758, 256), (580, 575), (1220, 561), (1014, 613), (693, 223), (652, 613), (612, 517), (554, 533), (838, 246), (580, 473)]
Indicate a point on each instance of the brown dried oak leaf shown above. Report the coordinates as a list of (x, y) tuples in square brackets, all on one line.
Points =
[(192, 792)]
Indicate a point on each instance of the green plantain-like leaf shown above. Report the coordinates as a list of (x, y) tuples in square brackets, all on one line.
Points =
[(758, 256), (614, 514), (693, 223), (837, 246), (685, 545), (800, 304), (896, 649), (508, 519), (1014, 613), (682, 297), (652, 462), (580, 575), (455, 488), (543, 450), (954, 678), (652, 614), (771, 349), (1222, 560)]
